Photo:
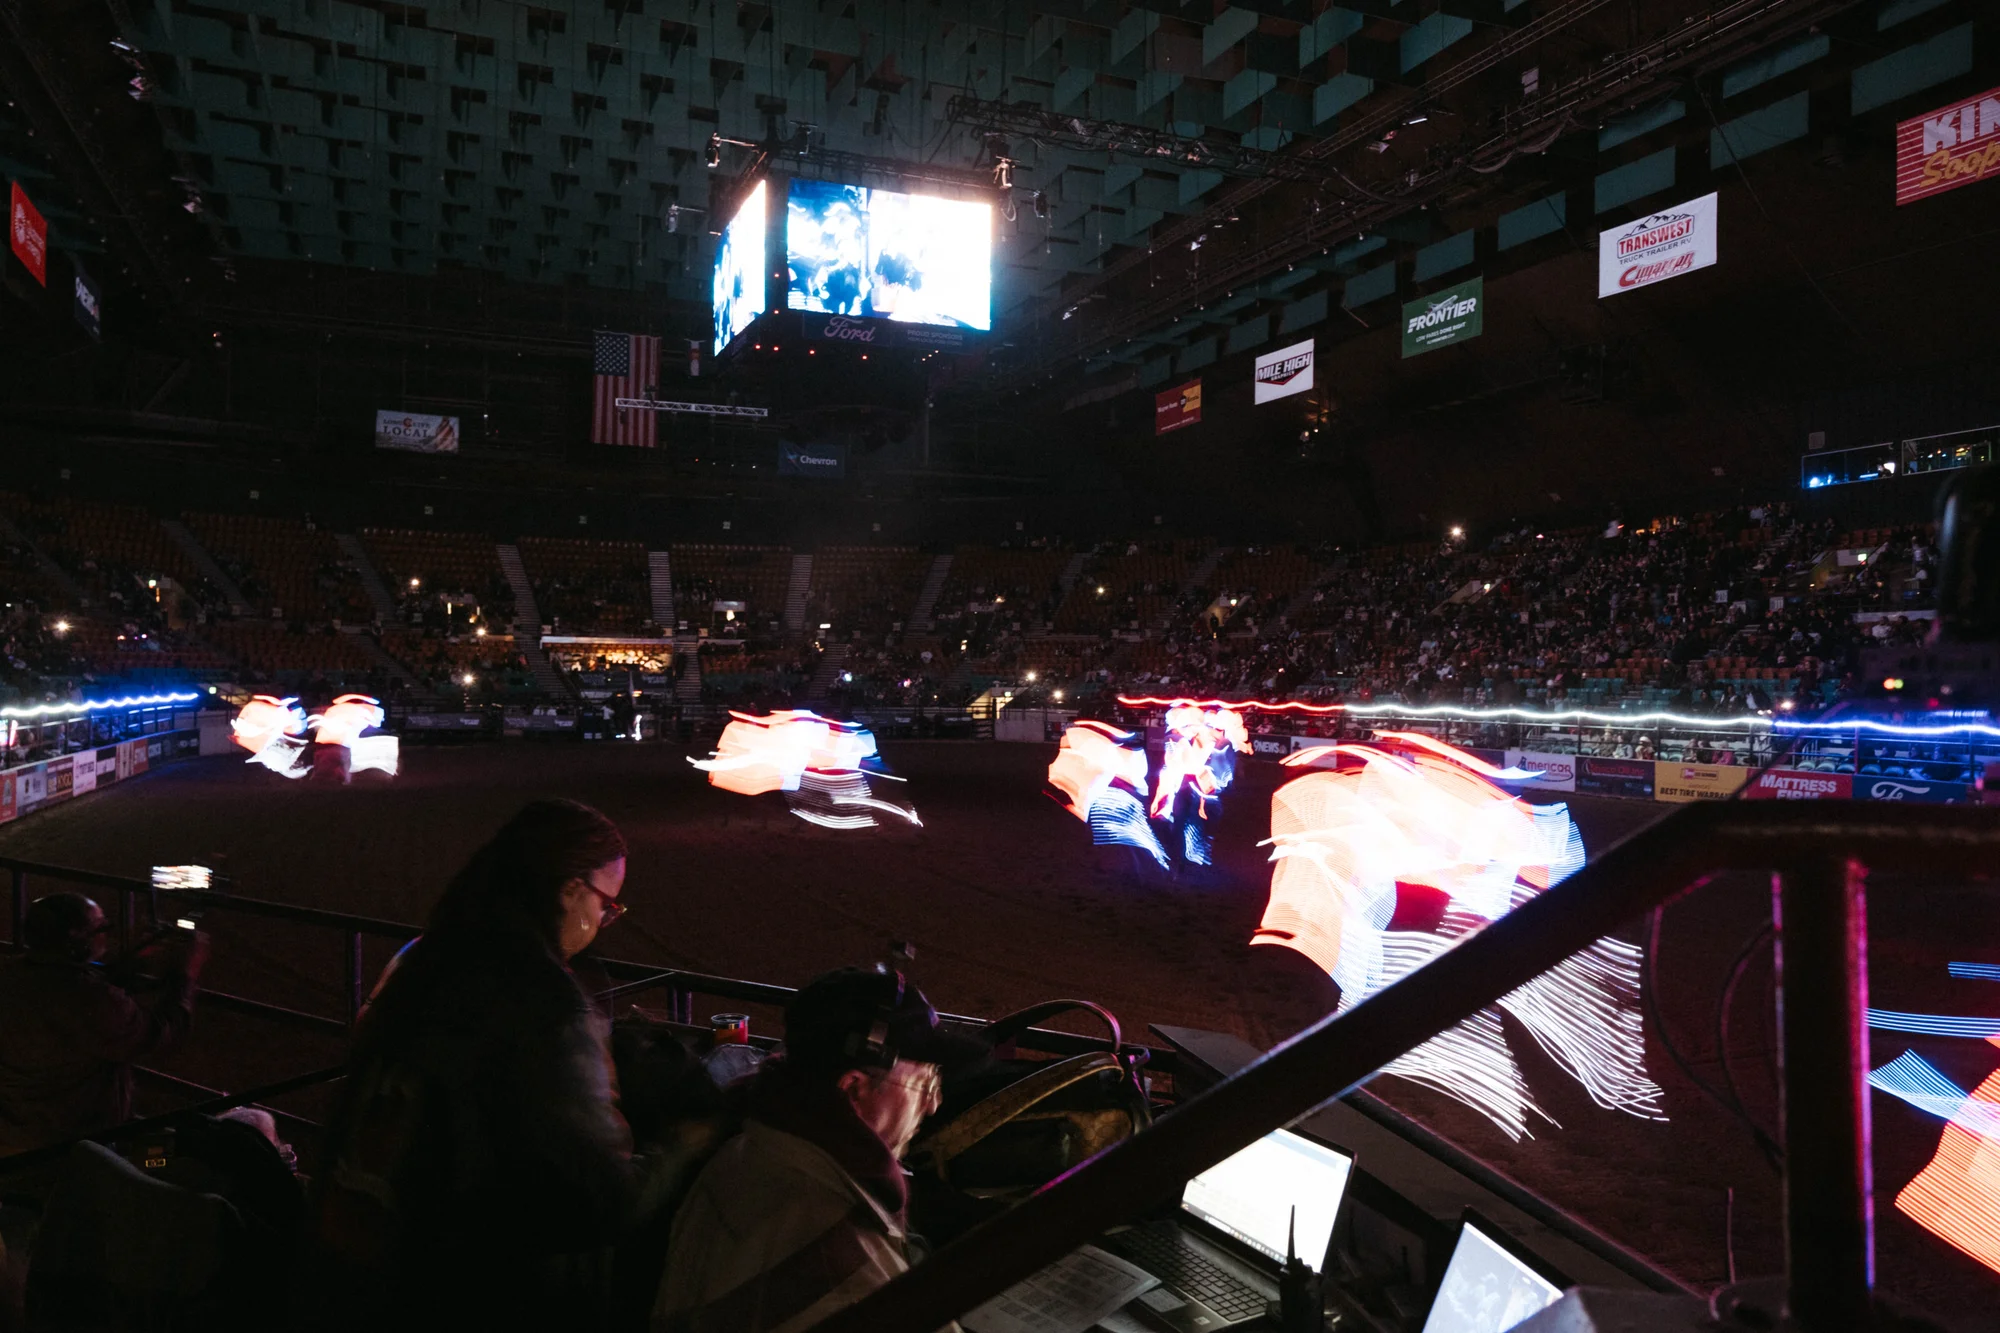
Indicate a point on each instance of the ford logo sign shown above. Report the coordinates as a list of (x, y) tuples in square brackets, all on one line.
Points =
[(1886, 790)]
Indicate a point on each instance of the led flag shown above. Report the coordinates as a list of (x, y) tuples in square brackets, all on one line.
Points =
[(823, 767), (1381, 865)]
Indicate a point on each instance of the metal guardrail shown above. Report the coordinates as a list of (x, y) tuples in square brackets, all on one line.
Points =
[(1817, 850)]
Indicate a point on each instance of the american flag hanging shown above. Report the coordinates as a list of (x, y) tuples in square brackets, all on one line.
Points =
[(627, 365)]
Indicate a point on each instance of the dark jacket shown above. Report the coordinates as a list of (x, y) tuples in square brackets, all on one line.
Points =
[(478, 1167), (68, 1038)]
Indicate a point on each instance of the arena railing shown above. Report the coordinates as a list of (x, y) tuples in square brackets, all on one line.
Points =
[(137, 904), (1818, 854)]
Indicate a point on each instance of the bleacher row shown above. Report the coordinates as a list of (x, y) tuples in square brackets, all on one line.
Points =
[(133, 597)]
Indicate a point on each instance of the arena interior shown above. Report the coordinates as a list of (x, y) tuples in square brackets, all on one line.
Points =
[(1021, 497)]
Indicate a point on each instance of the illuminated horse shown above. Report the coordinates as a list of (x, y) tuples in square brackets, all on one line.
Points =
[(1385, 862), (1199, 761), (1099, 775), (821, 765)]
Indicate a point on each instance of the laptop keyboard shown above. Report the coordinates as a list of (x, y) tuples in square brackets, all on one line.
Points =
[(1180, 1266)]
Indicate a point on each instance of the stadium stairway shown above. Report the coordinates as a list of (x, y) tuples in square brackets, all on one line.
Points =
[(920, 614), (795, 594), (383, 658), (48, 568), (371, 578), (660, 582), (178, 533), (826, 675), (687, 689), (528, 625), (1198, 577)]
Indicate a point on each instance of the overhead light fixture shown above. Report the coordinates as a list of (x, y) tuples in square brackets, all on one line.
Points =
[(1041, 202), (1003, 173), (1417, 118), (714, 151)]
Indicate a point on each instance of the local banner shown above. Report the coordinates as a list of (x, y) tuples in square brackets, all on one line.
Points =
[(1282, 373), (1445, 317), (1177, 407), (1653, 249), (85, 306), (1696, 782), (1952, 146), (28, 234), (1796, 784), (1616, 777), (811, 460), (416, 432)]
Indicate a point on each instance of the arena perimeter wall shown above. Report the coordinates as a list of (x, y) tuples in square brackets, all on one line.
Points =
[(47, 782)]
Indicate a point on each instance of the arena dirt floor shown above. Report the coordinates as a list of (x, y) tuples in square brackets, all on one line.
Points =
[(1009, 904)]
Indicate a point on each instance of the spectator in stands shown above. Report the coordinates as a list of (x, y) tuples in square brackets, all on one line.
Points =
[(478, 1167), (70, 1033), (805, 1211)]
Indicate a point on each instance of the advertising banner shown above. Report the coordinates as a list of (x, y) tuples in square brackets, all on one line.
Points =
[(1679, 783), (1952, 146), (28, 234), (31, 786), (1445, 317), (416, 432), (1655, 248), (85, 306), (1558, 770), (1793, 784), (1615, 777), (7, 807), (811, 460), (82, 774), (1282, 373), (1177, 407), (57, 780), (1270, 747), (868, 333), (1909, 789)]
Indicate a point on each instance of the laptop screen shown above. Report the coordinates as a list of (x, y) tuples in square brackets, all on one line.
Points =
[(1251, 1196), (1486, 1289)]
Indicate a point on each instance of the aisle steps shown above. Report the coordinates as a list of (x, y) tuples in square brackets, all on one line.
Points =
[(371, 578), (660, 578), (795, 594), (178, 533), (921, 616), (528, 625)]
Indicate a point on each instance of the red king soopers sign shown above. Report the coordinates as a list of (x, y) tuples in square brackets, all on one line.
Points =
[(1952, 146)]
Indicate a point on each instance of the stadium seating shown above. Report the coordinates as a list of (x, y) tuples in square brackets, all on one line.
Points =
[(582, 586), (757, 576), (865, 588), (283, 566)]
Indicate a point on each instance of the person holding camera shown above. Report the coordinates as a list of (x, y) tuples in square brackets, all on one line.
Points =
[(73, 1031)]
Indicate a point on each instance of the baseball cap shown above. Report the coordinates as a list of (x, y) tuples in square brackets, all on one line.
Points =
[(868, 1018)]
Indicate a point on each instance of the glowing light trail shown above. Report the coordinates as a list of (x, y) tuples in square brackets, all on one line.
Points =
[(1240, 706), (1933, 1025), (97, 705), (1957, 1196), (821, 765), (1921, 1084), (1380, 867), (1099, 775), (1977, 971)]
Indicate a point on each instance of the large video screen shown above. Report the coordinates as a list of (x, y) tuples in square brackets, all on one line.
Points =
[(879, 254), (739, 270)]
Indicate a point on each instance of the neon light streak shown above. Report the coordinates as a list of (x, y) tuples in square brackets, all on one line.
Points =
[(1933, 1025), (1242, 706), (1380, 867), (1888, 728), (1099, 775), (1977, 971), (1921, 1084), (95, 705), (1957, 1196), (1473, 762), (824, 767)]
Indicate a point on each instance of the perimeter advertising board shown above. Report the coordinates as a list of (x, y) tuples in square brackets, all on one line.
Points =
[(1952, 146), (1796, 784), (416, 432), (1558, 771), (1910, 789), (1445, 317), (1615, 777), (1177, 407), (1282, 373), (28, 234), (1679, 783), (1662, 245)]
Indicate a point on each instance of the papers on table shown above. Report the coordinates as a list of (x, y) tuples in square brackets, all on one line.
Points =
[(1068, 1296)]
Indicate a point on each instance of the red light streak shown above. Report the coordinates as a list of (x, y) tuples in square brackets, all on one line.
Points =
[(1253, 705)]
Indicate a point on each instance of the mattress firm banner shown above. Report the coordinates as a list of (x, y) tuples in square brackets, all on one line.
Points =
[(1282, 373), (1445, 317), (416, 433), (1952, 146), (811, 460), (1653, 249), (1177, 407), (1798, 784)]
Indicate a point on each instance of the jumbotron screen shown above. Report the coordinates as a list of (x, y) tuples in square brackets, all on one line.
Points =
[(739, 270), (879, 254)]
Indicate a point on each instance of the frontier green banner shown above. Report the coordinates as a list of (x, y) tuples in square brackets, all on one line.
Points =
[(1445, 317)]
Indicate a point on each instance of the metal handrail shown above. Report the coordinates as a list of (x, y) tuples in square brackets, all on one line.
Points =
[(1340, 1052)]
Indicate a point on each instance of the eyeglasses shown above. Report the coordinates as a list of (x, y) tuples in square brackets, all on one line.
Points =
[(609, 909)]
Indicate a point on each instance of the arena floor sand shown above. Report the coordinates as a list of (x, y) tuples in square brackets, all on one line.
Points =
[(1008, 904)]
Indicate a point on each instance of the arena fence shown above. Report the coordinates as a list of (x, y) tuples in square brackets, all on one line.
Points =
[(1819, 856)]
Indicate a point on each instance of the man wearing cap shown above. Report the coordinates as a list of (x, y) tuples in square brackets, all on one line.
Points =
[(805, 1211)]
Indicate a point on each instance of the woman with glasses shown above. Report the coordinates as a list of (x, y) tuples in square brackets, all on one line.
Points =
[(478, 1167)]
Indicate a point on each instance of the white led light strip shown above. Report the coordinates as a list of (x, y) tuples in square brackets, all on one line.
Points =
[(95, 705)]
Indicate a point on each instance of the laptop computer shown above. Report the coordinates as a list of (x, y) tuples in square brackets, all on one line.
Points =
[(1217, 1259), (1491, 1282)]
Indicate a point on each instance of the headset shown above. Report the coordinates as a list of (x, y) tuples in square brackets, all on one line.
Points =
[(874, 1046)]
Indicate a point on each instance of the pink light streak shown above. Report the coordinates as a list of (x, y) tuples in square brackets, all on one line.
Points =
[(1238, 705)]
